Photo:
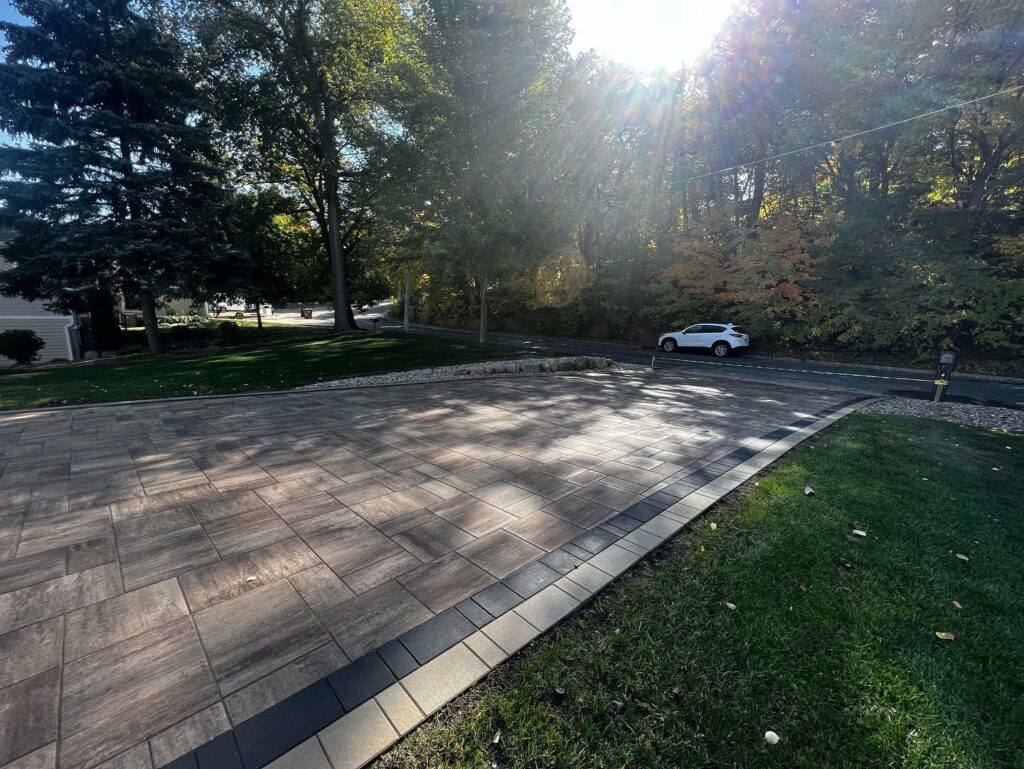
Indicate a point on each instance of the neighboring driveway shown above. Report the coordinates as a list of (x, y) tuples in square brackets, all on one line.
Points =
[(168, 570)]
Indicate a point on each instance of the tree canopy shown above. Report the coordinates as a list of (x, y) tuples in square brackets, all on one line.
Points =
[(807, 177)]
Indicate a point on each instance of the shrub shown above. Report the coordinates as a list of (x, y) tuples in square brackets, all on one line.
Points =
[(20, 345), (230, 333), (181, 320), (180, 334)]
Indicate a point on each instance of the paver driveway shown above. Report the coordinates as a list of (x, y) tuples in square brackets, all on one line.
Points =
[(168, 570)]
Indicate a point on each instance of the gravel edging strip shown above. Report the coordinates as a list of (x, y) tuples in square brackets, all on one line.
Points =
[(965, 414), (379, 380), (482, 370)]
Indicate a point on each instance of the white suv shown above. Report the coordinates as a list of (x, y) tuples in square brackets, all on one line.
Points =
[(720, 338)]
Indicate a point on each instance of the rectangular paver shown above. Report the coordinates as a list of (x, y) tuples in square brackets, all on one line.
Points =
[(302, 531)]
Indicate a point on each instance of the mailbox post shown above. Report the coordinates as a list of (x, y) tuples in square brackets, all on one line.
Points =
[(947, 362)]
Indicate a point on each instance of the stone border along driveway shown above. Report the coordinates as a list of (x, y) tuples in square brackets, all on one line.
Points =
[(352, 716), (171, 570)]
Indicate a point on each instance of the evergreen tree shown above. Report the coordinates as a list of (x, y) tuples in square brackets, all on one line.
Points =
[(111, 184)]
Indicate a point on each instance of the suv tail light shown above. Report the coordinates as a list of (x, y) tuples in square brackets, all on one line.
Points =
[(738, 336)]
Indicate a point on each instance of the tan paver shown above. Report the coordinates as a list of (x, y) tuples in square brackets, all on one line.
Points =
[(309, 755), (510, 631), (398, 706), (547, 607), (357, 737), (432, 685)]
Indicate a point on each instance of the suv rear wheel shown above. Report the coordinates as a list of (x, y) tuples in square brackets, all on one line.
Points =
[(721, 349)]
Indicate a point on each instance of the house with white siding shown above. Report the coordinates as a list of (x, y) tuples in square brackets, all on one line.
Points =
[(59, 332)]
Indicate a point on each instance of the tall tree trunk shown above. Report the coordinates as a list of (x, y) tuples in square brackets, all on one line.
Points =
[(485, 280), (588, 237), (978, 187), (259, 316), (106, 332), (757, 201), (343, 321), (148, 302), (408, 294)]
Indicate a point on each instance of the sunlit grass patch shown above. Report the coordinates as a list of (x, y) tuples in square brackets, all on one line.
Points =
[(279, 364)]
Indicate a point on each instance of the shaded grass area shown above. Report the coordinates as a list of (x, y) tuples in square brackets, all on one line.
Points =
[(832, 644), (289, 361), (245, 332)]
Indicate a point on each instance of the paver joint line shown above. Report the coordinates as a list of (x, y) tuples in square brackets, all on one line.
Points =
[(306, 535)]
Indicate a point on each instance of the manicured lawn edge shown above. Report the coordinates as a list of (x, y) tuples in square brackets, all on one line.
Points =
[(276, 366)]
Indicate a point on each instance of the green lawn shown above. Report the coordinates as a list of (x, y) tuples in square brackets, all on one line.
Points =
[(832, 644), (286, 359)]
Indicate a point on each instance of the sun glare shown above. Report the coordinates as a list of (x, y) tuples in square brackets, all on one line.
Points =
[(648, 34)]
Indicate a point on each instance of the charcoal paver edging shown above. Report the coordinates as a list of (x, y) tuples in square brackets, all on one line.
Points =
[(440, 657)]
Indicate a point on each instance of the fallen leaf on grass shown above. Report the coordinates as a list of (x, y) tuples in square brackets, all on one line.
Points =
[(808, 491), (859, 533), (957, 605), (771, 738), (496, 738), (730, 606), (714, 526), (944, 636), (962, 557)]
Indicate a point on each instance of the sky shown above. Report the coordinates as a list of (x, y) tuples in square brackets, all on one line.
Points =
[(645, 34), (648, 34), (7, 13)]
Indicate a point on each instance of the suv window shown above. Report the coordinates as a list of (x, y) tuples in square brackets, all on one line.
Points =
[(712, 329), (739, 329)]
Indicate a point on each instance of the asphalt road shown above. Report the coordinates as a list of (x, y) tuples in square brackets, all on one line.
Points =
[(772, 371)]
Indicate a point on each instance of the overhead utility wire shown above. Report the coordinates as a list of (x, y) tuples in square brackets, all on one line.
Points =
[(850, 136)]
